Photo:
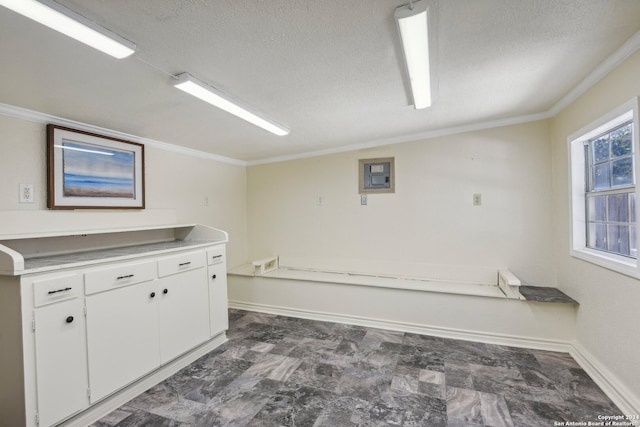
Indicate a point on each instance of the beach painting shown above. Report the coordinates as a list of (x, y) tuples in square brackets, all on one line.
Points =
[(90, 171), (94, 171)]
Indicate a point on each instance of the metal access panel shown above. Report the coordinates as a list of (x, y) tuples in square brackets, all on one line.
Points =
[(377, 175)]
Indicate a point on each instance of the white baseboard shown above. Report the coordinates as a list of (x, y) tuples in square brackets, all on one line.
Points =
[(610, 385), (114, 401), (459, 334)]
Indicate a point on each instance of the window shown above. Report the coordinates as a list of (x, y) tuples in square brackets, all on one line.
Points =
[(603, 160), (610, 195)]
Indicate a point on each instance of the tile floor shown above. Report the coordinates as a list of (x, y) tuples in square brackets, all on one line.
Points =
[(283, 371)]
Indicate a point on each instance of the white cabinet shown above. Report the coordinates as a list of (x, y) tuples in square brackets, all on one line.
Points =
[(183, 312), (219, 319), (101, 315), (122, 337), (133, 328), (183, 305), (122, 331), (217, 271), (61, 363)]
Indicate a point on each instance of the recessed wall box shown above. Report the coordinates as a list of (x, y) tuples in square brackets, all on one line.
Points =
[(265, 265), (377, 175)]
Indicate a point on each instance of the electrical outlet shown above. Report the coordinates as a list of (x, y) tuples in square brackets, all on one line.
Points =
[(477, 199), (26, 193)]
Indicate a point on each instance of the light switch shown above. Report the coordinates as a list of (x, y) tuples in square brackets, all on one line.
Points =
[(477, 199), (363, 199)]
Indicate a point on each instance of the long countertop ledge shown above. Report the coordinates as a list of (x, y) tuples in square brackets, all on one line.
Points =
[(40, 252), (82, 258), (421, 284), (394, 281)]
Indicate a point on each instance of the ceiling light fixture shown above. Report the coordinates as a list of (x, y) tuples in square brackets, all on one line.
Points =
[(412, 23), (67, 22), (206, 93)]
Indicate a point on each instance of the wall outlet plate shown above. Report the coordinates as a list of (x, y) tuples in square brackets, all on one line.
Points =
[(363, 199), (26, 193)]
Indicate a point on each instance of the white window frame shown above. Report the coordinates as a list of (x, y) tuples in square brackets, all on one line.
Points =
[(577, 188)]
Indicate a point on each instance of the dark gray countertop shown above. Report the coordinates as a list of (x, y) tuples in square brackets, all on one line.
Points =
[(542, 294)]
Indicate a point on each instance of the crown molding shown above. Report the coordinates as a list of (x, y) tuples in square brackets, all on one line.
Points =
[(406, 138), (43, 118), (611, 63)]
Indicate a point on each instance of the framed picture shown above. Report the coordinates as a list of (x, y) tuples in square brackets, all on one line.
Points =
[(376, 175), (90, 171)]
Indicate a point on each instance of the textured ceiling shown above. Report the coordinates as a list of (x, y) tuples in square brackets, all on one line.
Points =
[(330, 70)]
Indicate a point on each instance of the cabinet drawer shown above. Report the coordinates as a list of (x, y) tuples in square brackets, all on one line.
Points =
[(178, 263), (49, 290), (215, 255), (122, 275)]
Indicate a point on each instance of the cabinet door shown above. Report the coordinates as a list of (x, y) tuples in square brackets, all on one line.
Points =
[(61, 364), (184, 315), (218, 303), (122, 337)]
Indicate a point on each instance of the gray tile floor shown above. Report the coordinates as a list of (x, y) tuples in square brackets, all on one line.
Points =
[(283, 371)]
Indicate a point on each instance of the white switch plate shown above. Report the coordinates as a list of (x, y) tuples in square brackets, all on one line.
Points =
[(477, 199), (363, 199), (26, 193)]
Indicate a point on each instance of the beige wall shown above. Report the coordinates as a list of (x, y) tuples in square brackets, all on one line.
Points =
[(181, 183), (176, 186), (608, 317), (430, 218)]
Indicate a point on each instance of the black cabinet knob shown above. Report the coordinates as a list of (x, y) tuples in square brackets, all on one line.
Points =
[(69, 319), (213, 277), (153, 294), (166, 291)]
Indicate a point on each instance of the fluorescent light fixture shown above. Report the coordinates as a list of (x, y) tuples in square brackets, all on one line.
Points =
[(412, 23), (67, 22), (206, 93)]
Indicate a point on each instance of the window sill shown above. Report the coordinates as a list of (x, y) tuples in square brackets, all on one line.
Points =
[(619, 264)]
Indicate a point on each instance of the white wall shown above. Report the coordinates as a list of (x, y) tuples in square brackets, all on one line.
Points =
[(176, 186), (608, 317), (430, 218)]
